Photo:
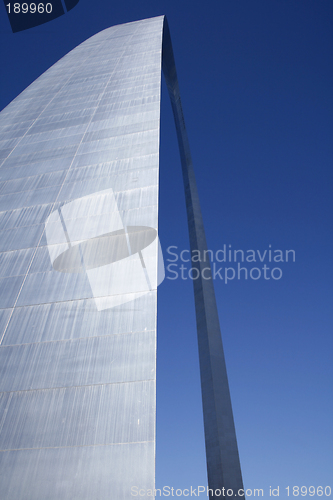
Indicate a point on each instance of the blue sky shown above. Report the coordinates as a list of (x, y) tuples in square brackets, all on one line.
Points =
[(256, 83)]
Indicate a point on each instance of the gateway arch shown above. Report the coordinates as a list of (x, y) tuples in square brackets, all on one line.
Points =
[(80, 264)]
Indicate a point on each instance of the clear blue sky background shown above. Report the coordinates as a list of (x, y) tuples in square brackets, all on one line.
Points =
[(256, 84)]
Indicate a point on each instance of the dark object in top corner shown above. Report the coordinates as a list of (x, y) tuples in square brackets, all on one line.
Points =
[(24, 14)]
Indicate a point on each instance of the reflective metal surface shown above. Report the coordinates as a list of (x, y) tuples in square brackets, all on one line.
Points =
[(80, 262), (223, 465), (78, 272)]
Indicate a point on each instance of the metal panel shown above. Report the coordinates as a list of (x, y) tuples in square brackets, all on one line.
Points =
[(9, 290), (25, 217), (116, 358), (5, 315), (77, 473), (15, 263), (20, 237), (77, 319), (79, 416), (50, 165)]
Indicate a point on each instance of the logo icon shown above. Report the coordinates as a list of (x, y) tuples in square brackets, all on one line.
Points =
[(121, 262)]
